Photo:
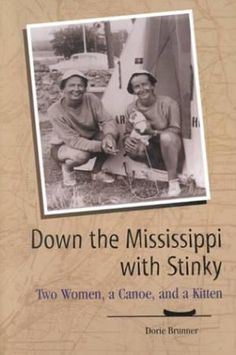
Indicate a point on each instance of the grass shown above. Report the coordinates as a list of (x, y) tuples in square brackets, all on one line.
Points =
[(89, 193)]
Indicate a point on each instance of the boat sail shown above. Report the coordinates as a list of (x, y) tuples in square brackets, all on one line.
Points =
[(161, 45)]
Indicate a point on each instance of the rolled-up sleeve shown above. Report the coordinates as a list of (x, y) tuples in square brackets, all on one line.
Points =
[(70, 136)]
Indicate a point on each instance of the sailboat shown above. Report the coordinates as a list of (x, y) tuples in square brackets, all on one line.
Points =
[(164, 46)]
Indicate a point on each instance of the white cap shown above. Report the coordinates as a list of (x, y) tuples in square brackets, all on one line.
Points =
[(140, 72), (68, 74)]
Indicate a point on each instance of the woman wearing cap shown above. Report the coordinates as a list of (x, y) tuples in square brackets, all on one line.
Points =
[(163, 122), (82, 128)]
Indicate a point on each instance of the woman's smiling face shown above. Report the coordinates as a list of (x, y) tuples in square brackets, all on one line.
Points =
[(74, 89), (142, 87)]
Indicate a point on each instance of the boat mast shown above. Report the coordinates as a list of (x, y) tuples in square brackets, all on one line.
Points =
[(110, 52), (84, 39)]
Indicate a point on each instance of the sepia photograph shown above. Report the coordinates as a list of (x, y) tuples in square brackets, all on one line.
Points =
[(117, 113)]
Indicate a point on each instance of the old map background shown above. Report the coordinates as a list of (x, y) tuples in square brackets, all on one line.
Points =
[(32, 327)]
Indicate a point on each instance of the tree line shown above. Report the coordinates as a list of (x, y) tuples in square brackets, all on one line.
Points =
[(70, 40)]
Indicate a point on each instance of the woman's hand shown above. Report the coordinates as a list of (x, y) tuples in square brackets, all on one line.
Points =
[(131, 145), (109, 145)]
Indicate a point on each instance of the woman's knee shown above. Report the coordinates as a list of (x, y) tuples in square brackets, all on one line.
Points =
[(73, 155), (80, 157), (170, 139)]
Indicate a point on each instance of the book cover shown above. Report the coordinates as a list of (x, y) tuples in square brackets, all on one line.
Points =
[(120, 268)]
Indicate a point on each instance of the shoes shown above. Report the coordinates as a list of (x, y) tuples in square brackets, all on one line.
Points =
[(69, 177), (103, 177), (174, 188)]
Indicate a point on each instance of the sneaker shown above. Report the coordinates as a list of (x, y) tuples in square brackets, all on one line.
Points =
[(104, 177), (174, 188), (69, 177)]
